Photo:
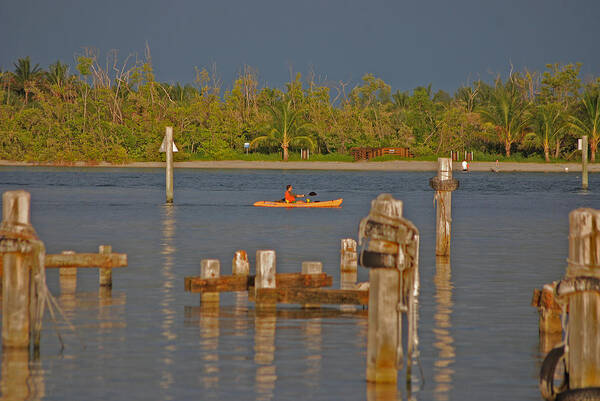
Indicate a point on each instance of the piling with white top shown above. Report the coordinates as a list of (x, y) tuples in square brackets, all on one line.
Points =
[(169, 159), (443, 184), (348, 264)]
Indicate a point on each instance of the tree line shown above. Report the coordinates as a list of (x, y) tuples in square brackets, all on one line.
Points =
[(115, 110)]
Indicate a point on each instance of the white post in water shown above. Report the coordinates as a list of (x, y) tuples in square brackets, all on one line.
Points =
[(266, 268), (169, 158), (584, 162), (240, 265), (348, 264), (67, 277), (210, 268)]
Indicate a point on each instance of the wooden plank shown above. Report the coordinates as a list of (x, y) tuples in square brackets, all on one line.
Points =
[(310, 296), (87, 260), (242, 283)]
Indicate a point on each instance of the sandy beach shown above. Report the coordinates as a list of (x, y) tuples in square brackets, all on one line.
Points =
[(308, 165)]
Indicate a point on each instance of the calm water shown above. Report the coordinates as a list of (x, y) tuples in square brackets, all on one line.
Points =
[(150, 340)]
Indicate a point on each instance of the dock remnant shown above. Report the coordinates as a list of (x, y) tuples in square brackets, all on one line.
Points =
[(348, 264), (240, 265), (584, 162), (23, 279), (169, 162), (392, 257), (443, 184), (210, 269), (579, 294)]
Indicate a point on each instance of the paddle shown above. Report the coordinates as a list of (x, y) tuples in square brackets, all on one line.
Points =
[(312, 194)]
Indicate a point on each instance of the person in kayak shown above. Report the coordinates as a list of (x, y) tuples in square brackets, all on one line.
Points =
[(289, 196)]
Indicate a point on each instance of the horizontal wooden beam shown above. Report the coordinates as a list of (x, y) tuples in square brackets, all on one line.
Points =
[(77, 260), (242, 283), (309, 296)]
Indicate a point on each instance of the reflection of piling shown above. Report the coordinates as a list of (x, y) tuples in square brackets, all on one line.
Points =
[(348, 264), (23, 276), (210, 268), (19, 380), (444, 342), (169, 159), (392, 259), (443, 184)]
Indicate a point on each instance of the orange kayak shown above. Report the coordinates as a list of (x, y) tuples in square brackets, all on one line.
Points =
[(331, 203)]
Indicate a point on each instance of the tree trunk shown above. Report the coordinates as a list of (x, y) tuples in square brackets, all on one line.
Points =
[(557, 150), (507, 148), (285, 153), (547, 153)]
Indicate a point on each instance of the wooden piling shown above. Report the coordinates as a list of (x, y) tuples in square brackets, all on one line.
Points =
[(584, 162), (169, 160), (16, 270), (67, 277), (443, 185), (266, 269), (105, 274), (240, 265), (382, 334), (210, 269), (392, 259), (348, 264), (312, 268), (583, 327)]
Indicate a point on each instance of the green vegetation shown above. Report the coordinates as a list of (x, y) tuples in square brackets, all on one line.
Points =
[(118, 113)]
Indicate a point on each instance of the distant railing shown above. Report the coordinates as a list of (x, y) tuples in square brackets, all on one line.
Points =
[(369, 153)]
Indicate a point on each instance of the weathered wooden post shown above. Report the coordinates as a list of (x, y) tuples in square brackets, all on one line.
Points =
[(23, 278), (392, 259), (550, 324), (265, 272), (582, 287), (443, 185), (169, 159), (68, 277), (579, 294), (584, 162), (311, 267), (240, 265), (105, 274), (210, 268), (348, 264)]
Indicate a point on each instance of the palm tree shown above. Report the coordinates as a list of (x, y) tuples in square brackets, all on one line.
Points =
[(589, 123), (549, 124), (285, 129), (507, 111), (57, 73), (25, 76)]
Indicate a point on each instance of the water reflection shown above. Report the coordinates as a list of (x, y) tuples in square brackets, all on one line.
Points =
[(21, 379), (383, 392), (167, 299), (443, 338), (313, 340), (265, 322)]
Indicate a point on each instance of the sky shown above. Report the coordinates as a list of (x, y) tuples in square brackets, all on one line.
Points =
[(407, 43)]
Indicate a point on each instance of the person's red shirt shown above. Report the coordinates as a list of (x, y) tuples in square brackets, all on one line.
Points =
[(289, 196)]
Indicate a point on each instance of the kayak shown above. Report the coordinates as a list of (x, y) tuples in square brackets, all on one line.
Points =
[(331, 203)]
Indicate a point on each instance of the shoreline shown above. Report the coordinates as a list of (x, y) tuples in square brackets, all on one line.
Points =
[(399, 165)]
